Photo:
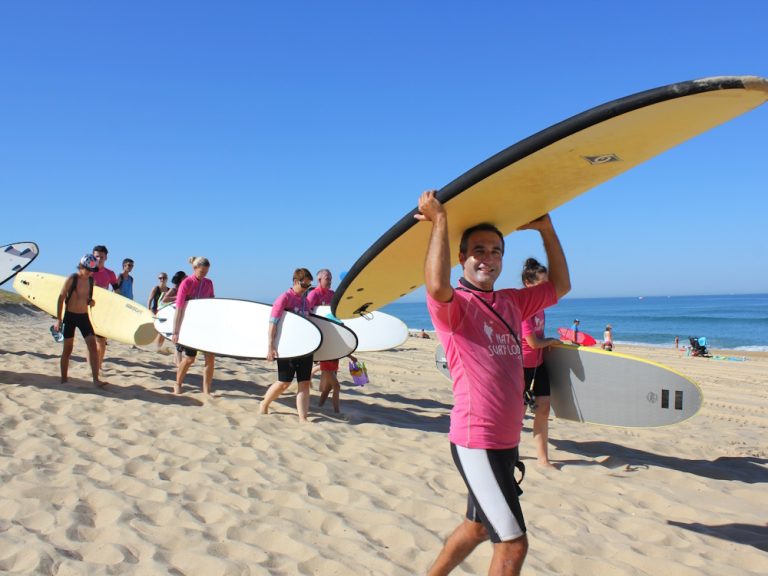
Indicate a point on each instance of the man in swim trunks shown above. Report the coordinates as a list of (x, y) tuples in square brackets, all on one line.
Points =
[(103, 277), (479, 328), (75, 297)]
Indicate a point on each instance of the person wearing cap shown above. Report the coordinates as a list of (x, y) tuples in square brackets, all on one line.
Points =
[(74, 300), (103, 277)]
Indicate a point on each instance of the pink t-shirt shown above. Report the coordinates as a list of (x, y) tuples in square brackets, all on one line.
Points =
[(104, 277), (290, 301), (533, 357), (486, 362), (193, 289), (319, 297)]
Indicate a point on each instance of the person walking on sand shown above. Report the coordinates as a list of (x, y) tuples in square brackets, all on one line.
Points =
[(479, 327), (193, 287), (103, 278), (322, 295), (153, 302), (75, 299), (125, 280), (295, 301), (608, 339), (534, 369)]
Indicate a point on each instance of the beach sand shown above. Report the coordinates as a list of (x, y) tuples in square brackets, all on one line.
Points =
[(134, 480)]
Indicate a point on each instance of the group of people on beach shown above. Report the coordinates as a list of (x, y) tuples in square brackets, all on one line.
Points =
[(77, 295), (493, 341)]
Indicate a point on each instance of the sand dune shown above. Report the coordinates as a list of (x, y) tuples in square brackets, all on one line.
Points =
[(134, 480)]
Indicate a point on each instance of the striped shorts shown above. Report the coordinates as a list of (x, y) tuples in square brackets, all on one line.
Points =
[(493, 491)]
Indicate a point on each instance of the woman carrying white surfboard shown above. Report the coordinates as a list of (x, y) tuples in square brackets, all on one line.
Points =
[(193, 287), (292, 300), (535, 372)]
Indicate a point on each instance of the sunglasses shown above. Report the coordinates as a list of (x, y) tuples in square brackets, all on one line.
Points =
[(162, 277), (305, 285)]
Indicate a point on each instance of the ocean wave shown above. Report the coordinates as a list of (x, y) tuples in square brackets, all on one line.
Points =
[(752, 348)]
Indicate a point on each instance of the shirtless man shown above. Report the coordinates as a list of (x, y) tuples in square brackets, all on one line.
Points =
[(76, 298)]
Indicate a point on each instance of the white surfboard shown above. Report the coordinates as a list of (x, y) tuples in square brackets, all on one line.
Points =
[(599, 387), (376, 331), (239, 328), (113, 316), (338, 340), (15, 257)]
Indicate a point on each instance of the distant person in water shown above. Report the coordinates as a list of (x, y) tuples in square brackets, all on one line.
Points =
[(72, 312), (194, 287), (535, 371), (294, 300), (608, 339)]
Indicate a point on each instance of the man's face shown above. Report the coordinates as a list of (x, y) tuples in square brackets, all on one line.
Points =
[(101, 257), (483, 260), (325, 281), (128, 266)]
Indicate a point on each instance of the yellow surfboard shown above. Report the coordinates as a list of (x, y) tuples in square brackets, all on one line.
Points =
[(544, 171), (113, 316)]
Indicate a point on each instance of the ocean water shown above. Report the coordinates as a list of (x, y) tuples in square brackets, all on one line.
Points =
[(737, 322)]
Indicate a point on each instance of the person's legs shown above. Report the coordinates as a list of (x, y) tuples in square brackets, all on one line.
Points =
[(208, 374), (541, 431), (325, 386), (508, 557), (181, 371), (273, 393), (336, 389), (302, 400), (66, 353), (458, 546), (101, 346), (90, 342)]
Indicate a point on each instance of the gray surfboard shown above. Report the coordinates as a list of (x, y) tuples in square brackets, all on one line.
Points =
[(597, 387)]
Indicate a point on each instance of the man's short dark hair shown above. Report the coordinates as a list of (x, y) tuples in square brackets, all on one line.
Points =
[(100, 248), (127, 261), (484, 227)]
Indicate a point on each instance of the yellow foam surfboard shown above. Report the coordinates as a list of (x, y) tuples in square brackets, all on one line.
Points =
[(544, 171), (113, 316)]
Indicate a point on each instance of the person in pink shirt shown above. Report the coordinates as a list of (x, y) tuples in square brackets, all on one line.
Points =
[(479, 328), (294, 299), (193, 287), (103, 278), (536, 376), (322, 295)]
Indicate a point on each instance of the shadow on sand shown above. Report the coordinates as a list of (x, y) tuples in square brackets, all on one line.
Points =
[(748, 469), (748, 534)]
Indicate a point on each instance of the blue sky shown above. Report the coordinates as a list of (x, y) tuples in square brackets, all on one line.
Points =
[(268, 136)]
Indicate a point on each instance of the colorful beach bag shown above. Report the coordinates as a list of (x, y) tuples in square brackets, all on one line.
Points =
[(359, 373)]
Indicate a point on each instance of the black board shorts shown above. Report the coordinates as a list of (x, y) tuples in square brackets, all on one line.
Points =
[(300, 368), (494, 493), (540, 378), (73, 320)]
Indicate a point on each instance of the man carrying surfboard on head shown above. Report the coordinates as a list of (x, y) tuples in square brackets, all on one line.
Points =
[(479, 328), (103, 277), (75, 299)]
